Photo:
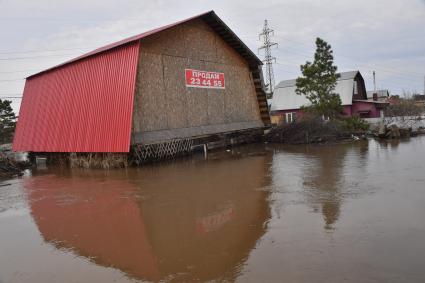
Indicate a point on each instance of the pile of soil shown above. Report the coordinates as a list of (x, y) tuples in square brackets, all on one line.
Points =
[(309, 131), (9, 168)]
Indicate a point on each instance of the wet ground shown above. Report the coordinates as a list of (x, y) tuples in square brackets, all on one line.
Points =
[(262, 213)]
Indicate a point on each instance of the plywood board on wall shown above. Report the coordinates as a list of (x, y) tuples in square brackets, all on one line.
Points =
[(150, 102), (164, 103)]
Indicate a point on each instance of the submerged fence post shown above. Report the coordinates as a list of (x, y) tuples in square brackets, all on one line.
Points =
[(205, 151)]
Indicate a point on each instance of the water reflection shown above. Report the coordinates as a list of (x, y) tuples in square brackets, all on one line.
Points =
[(183, 221), (392, 144), (324, 174), (342, 213)]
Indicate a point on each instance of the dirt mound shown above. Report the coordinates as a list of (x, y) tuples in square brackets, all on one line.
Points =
[(9, 168), (311, 131)]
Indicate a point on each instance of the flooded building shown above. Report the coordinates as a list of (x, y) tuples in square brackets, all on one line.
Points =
[(156, 94), (286, 103)]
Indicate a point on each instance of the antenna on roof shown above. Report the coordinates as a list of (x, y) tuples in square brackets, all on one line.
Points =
[(268, 58), (374, 81)]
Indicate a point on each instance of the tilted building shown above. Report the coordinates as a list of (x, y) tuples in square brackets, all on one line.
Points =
[(171, 86)]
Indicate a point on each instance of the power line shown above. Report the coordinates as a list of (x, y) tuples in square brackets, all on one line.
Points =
[(385, 69), (391, 73), (364, 66), (338, 55), (48, 50), (13, 80), (402, 80), (343, 56), (64, 19), (20, 71), (35, 57)]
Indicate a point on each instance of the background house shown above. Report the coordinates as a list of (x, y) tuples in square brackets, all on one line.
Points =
[(380, 94), (286, 104), (419, 99)]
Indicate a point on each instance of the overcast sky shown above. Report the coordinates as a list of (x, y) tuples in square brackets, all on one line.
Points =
[(387, 36)]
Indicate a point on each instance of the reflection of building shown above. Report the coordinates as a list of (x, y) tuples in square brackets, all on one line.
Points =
[(325, 175), (183, 221), (323, 183)]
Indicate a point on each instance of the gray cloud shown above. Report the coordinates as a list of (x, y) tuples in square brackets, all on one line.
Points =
[(383, 35)]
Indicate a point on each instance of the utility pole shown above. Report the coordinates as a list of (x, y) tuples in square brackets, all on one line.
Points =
[(268, 58), (374, 82)]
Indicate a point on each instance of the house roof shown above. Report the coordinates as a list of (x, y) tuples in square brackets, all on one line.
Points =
[(380, 92), (285, 97), (370, 101), (210, 18), (342, 76)]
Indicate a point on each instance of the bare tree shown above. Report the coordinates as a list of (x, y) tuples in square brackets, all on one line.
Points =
[(405, 112)]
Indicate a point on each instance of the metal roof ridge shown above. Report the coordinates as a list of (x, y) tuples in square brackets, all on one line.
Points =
[(339, 79), (370, 101)]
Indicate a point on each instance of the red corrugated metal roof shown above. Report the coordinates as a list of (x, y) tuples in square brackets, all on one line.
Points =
[(86, 106)]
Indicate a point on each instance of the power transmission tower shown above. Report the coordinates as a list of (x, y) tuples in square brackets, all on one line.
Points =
[(268, 58)]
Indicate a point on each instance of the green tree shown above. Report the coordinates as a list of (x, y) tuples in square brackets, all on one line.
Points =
[(318, 82), (7, 121)]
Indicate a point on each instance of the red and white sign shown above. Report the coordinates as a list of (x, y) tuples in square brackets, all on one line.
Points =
[(204, 79)]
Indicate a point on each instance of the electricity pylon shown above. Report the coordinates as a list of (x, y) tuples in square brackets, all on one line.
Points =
[(268, 58)]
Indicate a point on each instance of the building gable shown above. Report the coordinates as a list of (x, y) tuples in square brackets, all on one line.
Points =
[(165, 108)]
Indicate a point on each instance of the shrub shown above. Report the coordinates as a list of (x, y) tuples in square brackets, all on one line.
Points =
[(355, 123), (308, 130)]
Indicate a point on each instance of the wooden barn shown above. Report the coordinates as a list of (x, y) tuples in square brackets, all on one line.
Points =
[(156, 94)]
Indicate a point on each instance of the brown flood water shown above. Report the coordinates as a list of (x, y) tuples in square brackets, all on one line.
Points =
[(261, 213)]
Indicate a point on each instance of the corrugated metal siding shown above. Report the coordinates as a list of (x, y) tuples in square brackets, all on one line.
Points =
[(85, 106)]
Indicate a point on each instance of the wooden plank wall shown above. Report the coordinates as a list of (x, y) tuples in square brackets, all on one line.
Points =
[(162, 101)]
